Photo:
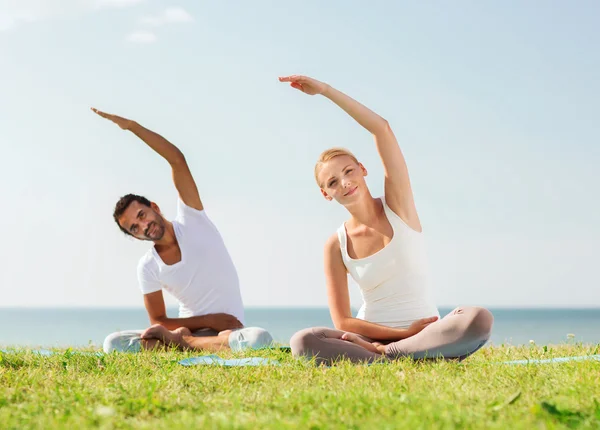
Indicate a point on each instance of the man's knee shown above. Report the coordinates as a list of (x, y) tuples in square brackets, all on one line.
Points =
[(250, 338), (123, 341)]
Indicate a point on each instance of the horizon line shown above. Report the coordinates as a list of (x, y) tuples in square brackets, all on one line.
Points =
[(499, 307)]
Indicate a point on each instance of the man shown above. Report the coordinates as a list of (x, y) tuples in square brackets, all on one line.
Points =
[(189, 260)]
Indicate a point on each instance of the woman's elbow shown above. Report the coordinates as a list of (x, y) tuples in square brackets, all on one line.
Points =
[(383, 127), (342, 324)]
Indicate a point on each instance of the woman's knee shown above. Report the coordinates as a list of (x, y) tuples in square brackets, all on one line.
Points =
[(481, 323), (303, 342)]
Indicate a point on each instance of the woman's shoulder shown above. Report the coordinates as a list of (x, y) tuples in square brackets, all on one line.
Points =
[(333, 243)]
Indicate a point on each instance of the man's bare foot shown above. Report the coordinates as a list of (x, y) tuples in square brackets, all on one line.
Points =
[(207, 343), (183, 331), (169, 338)]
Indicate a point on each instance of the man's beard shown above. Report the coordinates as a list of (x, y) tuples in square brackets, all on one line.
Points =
[(158, 231)]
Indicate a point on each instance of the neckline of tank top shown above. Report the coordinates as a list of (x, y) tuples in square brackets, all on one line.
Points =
[(356, 260)]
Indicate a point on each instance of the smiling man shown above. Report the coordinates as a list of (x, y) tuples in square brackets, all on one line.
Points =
[(189, 260)]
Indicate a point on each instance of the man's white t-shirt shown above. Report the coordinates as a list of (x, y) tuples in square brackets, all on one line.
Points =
[(205, 280)]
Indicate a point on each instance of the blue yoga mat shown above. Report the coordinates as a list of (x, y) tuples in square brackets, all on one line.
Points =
[(259, 361), (47, 352), (218, 361), (554, 360)]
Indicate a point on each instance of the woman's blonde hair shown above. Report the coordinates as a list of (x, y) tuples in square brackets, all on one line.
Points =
[(328, 155)]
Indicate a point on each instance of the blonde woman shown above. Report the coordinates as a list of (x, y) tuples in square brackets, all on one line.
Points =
[(382, 247)]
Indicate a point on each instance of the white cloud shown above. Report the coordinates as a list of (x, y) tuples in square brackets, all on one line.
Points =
[(14, 13), (170, 15), (177, 14), (143, 37), (117, 3)]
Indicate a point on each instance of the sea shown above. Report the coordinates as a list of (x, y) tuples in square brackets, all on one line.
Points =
[(78, 327)]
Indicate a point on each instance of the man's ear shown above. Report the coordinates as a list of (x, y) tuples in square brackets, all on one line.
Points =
[(155, 207)]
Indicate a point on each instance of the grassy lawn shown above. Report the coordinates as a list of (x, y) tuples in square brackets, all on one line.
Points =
[(150, 390)]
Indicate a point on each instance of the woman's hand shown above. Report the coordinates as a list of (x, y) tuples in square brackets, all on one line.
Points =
[(305, 84), (419, 325)]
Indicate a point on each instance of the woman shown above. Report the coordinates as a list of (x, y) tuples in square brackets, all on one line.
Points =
[(382, 247)]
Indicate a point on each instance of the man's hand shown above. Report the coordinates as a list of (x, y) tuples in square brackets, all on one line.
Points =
[(305, 84), (222, 322), (419, 325), (124, 123)]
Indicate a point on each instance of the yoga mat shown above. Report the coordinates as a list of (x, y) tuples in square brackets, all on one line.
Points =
[(47, 352), (218, 361), (554, 360)]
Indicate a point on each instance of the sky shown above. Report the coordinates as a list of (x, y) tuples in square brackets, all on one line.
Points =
[(495, 106)]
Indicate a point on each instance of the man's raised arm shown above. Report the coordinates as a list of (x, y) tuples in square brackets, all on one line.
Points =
[(182, 177)]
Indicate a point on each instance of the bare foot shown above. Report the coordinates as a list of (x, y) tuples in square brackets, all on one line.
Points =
[(206, 343), (225, 333), (183, 331), (356, 339), (161, 333)]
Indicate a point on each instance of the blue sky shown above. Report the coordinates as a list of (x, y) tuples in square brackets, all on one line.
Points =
[(496, 108)]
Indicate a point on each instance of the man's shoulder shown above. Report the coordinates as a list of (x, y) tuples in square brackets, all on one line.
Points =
[(147, 262)]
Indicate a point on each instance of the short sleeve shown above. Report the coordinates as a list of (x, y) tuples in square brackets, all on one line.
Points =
[(148, 275), (188, 216), (185, 212)]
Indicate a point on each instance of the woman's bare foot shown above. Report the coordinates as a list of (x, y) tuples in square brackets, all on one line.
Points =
[(356, 339)]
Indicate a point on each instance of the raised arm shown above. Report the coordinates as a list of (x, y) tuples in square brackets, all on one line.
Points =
[(182, 177), (336, 280), (155, 306), (398, 191)]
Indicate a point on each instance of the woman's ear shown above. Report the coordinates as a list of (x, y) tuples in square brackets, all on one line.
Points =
[(363, 168), (327, 196)]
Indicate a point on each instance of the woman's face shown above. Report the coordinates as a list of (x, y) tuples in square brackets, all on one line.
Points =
[(342, 179)]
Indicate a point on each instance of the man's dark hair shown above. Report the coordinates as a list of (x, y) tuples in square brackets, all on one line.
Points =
[(124, 203)]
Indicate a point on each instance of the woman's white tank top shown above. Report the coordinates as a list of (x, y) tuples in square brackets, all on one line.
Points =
[(394, 282)]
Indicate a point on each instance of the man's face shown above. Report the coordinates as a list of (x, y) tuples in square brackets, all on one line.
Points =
[(143, 222)]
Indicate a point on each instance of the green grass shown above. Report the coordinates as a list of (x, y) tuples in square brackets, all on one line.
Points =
[(150, 390)]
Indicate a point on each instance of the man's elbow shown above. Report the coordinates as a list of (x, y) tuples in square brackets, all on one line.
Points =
[(177, 158)]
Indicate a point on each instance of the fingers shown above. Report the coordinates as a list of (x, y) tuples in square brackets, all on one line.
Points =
[(102, 114), (293, 78), (287, 78)]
